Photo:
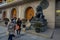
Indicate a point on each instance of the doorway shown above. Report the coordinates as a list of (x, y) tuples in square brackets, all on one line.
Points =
[(29, 13), (57, 25), (14, 13)]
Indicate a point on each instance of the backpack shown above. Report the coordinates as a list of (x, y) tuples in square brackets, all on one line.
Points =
[(11, 26)]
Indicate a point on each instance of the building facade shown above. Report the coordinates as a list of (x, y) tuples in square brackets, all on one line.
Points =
[(26, 9)]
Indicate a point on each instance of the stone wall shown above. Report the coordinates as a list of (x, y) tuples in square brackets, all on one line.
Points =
[(49, 12)]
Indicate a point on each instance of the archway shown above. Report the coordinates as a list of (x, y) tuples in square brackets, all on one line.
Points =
[(13, 13), (4, 15), (1, 1), (29, 13)]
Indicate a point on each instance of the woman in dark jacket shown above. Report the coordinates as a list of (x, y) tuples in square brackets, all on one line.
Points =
[(19, 24)]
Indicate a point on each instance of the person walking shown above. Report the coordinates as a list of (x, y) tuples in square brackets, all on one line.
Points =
[(11, 30), (19, 22), (14, 20)]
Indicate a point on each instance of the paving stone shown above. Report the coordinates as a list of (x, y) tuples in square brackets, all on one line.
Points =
[(28, 36)]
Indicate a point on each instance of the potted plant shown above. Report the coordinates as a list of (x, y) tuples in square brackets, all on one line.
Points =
[(37, 27)]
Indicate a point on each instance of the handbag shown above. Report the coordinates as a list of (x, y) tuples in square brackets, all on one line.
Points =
[(17, 27)]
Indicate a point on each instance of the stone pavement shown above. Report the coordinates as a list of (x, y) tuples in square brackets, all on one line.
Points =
[(34, 37), (3, 31), (56, 35), (27, 36), (4, 36)]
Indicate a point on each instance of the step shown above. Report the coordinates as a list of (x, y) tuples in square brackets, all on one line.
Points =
[(48, 34)]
